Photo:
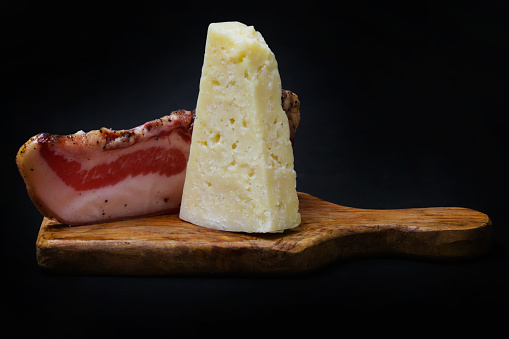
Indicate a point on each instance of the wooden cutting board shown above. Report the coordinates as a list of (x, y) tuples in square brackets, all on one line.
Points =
[(166, 245)]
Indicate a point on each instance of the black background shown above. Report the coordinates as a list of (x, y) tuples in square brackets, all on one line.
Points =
[(402, 106)]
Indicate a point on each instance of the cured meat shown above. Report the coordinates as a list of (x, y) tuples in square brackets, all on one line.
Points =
[(106, 175), (291, 106)]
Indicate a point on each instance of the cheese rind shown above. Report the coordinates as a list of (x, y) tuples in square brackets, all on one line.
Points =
[(240, 174)]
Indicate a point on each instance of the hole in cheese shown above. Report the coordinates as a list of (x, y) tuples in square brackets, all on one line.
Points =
[(239, 58), (275, 157), (215, 139)]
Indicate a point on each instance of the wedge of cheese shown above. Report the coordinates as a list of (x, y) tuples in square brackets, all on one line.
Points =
[(240, 174)]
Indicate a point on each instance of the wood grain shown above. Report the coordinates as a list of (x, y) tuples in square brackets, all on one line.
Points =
[(166, 245)]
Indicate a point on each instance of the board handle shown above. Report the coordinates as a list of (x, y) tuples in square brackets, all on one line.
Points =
[(433, 232)]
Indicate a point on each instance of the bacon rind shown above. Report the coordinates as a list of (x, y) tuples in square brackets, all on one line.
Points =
[(109, 139)]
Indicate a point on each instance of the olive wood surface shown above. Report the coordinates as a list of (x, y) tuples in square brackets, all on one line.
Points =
[(166, 245)]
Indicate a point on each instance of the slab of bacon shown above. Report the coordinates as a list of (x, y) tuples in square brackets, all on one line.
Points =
[(106, 175)]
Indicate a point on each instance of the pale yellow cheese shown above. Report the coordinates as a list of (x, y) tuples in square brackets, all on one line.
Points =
[(240, 174)]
